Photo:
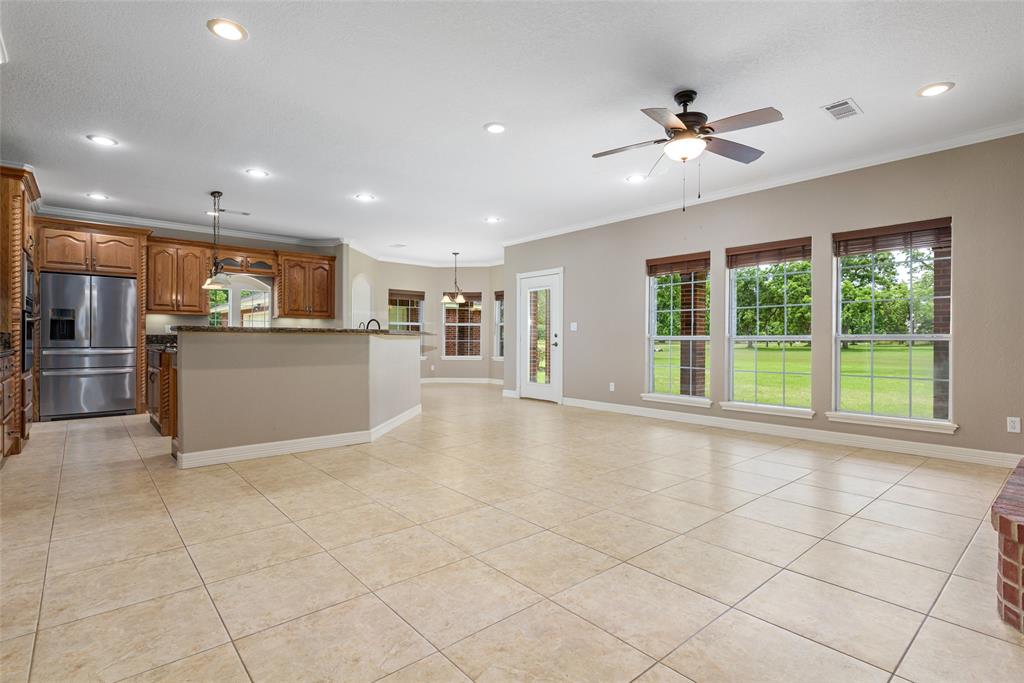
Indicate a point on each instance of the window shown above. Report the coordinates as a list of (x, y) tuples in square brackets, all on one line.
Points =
[(462, 327), (405, 312), (499, 324), (893, 324), (678, 362), (246, 303), (770, 323)]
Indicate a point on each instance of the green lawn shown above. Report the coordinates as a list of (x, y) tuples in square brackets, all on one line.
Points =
[(768, 385)]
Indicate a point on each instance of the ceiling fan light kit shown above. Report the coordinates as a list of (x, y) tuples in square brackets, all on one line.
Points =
[(688, 133)]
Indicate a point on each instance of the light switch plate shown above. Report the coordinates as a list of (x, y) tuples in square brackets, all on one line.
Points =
[(611, 386), (572, 327), (1013, 425)]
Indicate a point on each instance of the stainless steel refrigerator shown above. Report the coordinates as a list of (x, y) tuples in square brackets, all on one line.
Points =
[(87, 364)]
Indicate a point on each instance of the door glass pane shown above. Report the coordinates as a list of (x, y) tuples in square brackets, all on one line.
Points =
[(539, 348)]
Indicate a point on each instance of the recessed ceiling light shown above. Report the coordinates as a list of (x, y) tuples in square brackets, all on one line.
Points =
[(636, 178), (492, 219), (364, 197), (936, 89), (494, 127), (99, 196), (257, 172), (227, 29), (102, 140)]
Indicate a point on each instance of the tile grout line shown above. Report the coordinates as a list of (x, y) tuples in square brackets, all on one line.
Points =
[(194, 567), (46, 567)]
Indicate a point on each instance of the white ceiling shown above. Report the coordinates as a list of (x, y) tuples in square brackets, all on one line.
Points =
[(390, 98)]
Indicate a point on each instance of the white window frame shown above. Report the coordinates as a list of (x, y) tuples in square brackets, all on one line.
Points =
[(732, 338), (499, 328), (444, 335), (246, 283), (652, 338), (947, 426), (408, 326)]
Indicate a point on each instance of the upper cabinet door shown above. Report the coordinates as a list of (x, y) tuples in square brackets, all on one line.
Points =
[(321, 289), (193, 269), (260, 265), (66, 250), (296, 288), (162, 278), (233, 262), (115, 254)]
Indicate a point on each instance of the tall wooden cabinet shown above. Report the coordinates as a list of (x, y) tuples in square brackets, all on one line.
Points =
[(176, 276), (305, 287)]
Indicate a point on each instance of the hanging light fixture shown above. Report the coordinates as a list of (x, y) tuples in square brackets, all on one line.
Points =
[(458, 298), (218, 278)]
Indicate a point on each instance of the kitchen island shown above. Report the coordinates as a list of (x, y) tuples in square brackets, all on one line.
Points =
[(249, 392)]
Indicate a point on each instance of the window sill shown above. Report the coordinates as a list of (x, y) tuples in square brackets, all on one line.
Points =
[(694, 401), (780, 411), (462, 357), (935, 426), (501, 358)]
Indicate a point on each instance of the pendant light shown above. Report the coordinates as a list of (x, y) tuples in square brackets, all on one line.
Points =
[(459, 298), (218, 278)]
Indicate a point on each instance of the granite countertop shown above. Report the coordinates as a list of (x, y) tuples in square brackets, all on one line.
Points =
[(292, 330)]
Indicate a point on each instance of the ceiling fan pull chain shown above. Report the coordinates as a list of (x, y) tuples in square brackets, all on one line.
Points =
[(684, 184), (700, 165)]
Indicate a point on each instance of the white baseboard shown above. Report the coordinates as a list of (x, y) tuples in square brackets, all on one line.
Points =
[(972, 455), (460, 380), (386, 426), (218, 456), (510, 393)]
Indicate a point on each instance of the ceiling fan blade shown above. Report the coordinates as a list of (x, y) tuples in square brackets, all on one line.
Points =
[(627, 147), (733, 150), (237, 213), (665, 118), (758, 117), (650, 174)]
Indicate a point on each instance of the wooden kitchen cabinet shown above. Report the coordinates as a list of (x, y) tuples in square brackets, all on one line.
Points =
[(65, 250), (115, 254), (176, 274), (249, 262), (305, 288), (88, 252)]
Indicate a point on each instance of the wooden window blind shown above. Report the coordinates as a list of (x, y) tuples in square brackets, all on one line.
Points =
[(935, 233), (407, 294), (469, 296), (499, 296), (768, 253), (684, 263)]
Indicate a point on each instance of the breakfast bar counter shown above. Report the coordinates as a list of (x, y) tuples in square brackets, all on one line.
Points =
[(245, 392)]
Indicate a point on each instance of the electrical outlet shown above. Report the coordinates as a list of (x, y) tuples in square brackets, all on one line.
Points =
[(1013, 425), (572, 327), (611, 386), (431, 368)]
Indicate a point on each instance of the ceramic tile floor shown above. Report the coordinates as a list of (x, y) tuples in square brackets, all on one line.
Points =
[(493, 540)]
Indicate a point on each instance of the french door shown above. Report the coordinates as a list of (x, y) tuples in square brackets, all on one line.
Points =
[(539, 335)]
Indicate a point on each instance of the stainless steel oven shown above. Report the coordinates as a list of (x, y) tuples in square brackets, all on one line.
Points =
[(29, 315)]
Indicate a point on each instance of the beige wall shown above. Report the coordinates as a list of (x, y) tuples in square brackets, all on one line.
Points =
[(384, 275), (981, 186)]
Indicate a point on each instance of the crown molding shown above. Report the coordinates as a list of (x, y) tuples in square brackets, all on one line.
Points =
[(134, 222), (376, 256), (971, 138)]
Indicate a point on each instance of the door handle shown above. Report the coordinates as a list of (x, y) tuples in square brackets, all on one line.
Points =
[(554, 343), (88, 372)]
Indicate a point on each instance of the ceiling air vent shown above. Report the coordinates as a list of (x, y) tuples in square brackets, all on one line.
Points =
[(843, 109)]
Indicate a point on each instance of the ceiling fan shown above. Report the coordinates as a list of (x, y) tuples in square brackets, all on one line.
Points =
[(688, 133)]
